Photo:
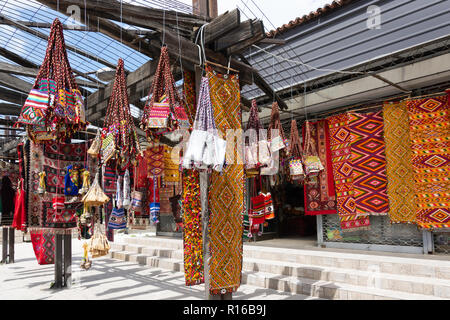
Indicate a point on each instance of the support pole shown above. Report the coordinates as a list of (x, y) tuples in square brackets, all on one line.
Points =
[(4, 245), (11, 245), (58, 261), (204, 190), (67, 260)]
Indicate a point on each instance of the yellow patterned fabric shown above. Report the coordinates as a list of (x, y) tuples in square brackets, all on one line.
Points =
[(226, 196), (400, 178), (429, 122), (171, 168)]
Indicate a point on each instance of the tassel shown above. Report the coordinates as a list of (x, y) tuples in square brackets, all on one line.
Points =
[(42, 187), (86, 182)]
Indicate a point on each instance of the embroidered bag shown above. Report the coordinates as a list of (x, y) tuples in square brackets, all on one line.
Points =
[(269, 212), (313, 165), (154, 206), (108, 149), (278, 141), (136, 201), (117, 219), (121, 138), (53, 115), (159, 116), (205, 147), (58, 203), (96, 145), (295, 152)]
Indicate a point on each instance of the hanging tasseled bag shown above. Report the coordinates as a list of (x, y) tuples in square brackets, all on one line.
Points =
[(313, 165), (254, 127), (117, 219), (50, 112), (108, 149), (154, 206), (119, 133), (295, 152), (159, 115), (136, 201), (205, 147), (58, 203), (96, 145), (277, 141), (269, 211), (126, 190), (264, 152)]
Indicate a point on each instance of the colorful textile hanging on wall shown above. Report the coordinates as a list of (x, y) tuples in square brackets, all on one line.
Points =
[(52, 158), (226, 196), (44, 246), (320, 197), (193, 241), (109, 188), (369, 163), (430, 142), (171, 168), (192, 207), (400, 179), (155, 161), (340, 144)]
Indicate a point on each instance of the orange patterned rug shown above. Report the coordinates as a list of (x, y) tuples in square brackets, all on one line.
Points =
[(226, 196), (430, 142), (400, 179)]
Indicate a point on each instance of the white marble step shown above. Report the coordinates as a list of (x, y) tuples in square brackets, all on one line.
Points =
[(320, 288), (422, 267), (373, 278), (326, 289)]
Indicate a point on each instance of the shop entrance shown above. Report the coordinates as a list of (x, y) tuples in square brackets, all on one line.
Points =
[(290, 221)]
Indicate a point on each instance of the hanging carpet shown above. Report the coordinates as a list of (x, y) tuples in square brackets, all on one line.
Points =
[(192, 208), (52, 158), (319, 190), (226, 195), (399, 172), (340, 144), (430, 142), (369, 163), (44, 246)]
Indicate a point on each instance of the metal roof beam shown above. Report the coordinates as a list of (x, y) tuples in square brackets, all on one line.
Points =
[(45, 37)]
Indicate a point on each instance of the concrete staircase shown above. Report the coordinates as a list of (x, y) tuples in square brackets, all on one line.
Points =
[(313, 273)]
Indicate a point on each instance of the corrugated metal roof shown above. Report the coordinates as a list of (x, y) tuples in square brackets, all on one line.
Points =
[(311, 16)]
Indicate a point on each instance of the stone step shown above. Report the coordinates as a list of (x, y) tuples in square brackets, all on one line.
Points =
[(364, 262), (385, 264), (326, 289), (158, 242), (320, 288), (405, 283)]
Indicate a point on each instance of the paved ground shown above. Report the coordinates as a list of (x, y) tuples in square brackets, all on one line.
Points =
[(107, 279)]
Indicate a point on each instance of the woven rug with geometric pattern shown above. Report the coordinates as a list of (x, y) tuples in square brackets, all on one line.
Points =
[(430, 142), (192, 206), (368, 163), (340, 145), (226, 195), (400, 179), (52, 158)]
